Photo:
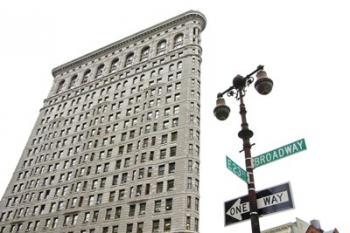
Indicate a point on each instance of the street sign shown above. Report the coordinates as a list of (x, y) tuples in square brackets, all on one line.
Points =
[(279, 153), (269, 200), (236, 169)]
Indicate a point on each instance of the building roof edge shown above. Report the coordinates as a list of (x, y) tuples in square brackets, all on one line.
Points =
[(113, 46)]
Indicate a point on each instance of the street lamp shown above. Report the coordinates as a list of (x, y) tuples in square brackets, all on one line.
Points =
[(264, 86)]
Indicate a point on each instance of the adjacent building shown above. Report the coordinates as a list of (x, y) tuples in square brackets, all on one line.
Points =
[(300, 226), (115, 148)]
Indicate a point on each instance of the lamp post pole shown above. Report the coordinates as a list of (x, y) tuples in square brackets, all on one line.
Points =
[(245, 134), (264, 86)]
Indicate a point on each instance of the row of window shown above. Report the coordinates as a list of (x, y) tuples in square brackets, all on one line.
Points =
[(134, 89), (86, 200), (107, 153), (95, 199), (115, 63), (86, 171), (143, 143), (72, 220), (112, 79), (82, 171)]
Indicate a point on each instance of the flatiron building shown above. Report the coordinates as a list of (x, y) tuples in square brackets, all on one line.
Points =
[(115, 148)]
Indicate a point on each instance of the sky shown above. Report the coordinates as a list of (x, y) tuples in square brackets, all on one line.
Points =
[(304, 46)]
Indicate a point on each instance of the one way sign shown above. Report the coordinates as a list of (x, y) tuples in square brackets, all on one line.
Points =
[(269, 200)]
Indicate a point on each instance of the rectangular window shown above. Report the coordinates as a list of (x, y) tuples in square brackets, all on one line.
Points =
[(188, 223), (108, 213), (118, 212), (132, 210), (167, 225), (142, 208), (171, 168), (157, 206), (161, 169), (159, 187), (162, 154), (170, 185), (129, 228), (111, 196), (155, 226), (189, 202), (168, 204)]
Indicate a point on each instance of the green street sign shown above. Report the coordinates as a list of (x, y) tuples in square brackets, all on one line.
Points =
[(236, 169), (279, 153)]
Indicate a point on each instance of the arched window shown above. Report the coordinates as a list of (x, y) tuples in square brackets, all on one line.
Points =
[(86, 76), (153, 73), (114, 64), (99, 70), (179, 65), (145, 53), (73, 80), (129, 59), (178, 40), (161, 46), (60, 86)]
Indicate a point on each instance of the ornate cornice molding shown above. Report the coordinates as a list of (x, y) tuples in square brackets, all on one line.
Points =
[(131, 39)]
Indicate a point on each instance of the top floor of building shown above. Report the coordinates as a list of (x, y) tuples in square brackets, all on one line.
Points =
[(139, 49)]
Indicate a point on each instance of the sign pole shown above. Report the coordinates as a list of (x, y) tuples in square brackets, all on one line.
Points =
[(245, 134)]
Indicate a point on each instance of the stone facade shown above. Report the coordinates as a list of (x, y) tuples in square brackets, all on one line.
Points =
[(116, 145)]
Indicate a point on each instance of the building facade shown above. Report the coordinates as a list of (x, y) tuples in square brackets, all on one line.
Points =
[(300, 226), (115, 148)]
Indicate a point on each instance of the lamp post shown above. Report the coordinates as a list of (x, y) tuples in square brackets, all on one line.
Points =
[(264, 86)]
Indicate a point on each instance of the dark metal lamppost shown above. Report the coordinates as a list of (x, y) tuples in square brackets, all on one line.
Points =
[(264, 86)]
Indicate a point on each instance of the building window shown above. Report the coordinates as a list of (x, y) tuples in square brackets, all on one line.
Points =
[(129, 59), (173, 136), (60, 86), (178, 40), (129, 228), (118, 212), (157, 205), (159, 187), (139, 227), (162, 154), (114, 65), (161, 169), (155, 226), (168, 204), (145, 53), (99, 70), (170, 185), (161, 46), (167, 224), (173, 151), (132, 210), (73, 81), (171, 168), (164, 139), (196, 204), (115, 229), (189, 202), (189, 183), (86, 76), (142, 208), (188, 223)]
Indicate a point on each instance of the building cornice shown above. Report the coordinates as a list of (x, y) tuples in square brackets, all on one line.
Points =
[(131, 39)]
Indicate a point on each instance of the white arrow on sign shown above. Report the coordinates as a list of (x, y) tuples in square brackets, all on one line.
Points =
[(239, 208)]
